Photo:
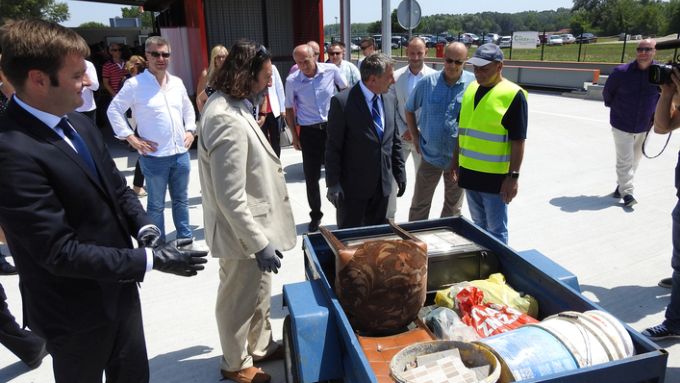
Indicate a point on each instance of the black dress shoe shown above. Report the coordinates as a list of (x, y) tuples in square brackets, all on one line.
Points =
[(314, 225), (6, 268), (629, 200), (616, 193)]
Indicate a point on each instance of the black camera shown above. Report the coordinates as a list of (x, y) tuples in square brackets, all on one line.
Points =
[(661, 73)]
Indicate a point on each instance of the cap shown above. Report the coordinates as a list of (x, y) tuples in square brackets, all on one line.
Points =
[(485, 54)]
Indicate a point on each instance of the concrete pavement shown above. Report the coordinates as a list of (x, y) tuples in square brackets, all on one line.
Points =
[(564, 209)]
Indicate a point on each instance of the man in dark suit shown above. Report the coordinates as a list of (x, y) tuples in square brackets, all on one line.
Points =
[(363, 149), (68, 215)]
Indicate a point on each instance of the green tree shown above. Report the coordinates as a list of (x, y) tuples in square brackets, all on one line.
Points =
[(673, 12), (147, 17), (92, 24), (49, 10)]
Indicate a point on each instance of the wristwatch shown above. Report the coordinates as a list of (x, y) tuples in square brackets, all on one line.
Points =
[(514, 175)]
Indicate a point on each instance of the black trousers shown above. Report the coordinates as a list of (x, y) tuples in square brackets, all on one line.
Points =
[(138, 179), (355, 212), (272, 130), (116, 348), (22, 343), (313, 141)]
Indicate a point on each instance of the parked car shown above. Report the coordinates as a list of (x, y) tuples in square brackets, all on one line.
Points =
[(469, 39), (505, 41), (353, 47), (568, 38), (586, 38), (555, 40), (491, 38)]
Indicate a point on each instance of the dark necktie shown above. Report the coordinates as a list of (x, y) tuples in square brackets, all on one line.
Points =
[(77, 141), (375, 112)]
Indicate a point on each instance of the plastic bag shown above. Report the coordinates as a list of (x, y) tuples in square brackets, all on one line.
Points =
[(488, 319), (495, 291), (445, 324)]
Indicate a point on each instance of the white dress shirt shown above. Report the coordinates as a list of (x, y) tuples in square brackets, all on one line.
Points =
[(276, 95), (88, 91), (163, 114)]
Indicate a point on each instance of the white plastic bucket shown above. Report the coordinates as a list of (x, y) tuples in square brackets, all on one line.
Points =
[(592, 337), (529, 352)]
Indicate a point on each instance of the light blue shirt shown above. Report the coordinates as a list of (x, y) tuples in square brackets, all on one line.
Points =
[(311, 96), (439, 106), (368, 95)]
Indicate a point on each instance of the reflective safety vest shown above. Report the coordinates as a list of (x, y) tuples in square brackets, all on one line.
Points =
[(483, 141)]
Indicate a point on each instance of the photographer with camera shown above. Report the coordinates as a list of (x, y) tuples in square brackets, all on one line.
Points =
[(666, 119), (631, 99)]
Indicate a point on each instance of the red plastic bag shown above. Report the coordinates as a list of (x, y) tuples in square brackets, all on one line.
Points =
[(489, 319)]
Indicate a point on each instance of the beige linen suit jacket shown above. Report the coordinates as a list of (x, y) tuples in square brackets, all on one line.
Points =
[(245, 199), (401, 93)]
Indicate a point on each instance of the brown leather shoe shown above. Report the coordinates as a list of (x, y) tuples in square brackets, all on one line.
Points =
[(277, 354), (247, 375)]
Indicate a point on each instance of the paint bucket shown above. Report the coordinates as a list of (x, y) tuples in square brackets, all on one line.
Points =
[(592, 337), (529, 352), (472, 355)]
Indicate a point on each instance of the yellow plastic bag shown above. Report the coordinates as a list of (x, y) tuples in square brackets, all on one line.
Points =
[(495, 291)]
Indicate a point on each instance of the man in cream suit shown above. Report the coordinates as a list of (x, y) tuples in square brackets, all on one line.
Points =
[(405, 80), (247, 212)]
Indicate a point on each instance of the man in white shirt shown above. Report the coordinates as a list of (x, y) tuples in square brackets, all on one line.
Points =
[(405, 80), (166, 124), (89, 107), (335, 55)]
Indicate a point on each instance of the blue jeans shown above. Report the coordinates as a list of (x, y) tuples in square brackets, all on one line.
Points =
[(162, 173), (673, 309), (489, 212)]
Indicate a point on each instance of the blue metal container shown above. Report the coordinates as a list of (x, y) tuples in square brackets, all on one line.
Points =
[(321, 345)]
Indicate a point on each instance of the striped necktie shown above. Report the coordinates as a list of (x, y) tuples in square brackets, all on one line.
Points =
[(375, 113)]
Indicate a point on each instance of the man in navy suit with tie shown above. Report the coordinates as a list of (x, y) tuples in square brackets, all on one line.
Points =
[(363, 148), (69, 216)]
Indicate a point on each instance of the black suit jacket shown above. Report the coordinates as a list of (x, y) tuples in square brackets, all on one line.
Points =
[(68, 230), (355, 156)]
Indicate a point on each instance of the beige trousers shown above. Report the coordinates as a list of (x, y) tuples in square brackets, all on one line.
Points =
[(242, 312), (427, 178), (628, 153), (407, 149)]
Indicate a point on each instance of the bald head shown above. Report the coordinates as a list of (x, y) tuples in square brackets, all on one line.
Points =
[(304, 57), (456, 47), (315, 47), (645, 52)]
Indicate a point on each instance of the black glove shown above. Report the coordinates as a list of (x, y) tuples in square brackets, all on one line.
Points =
[(335, 194), (268, 259), (149, 237), (402, 188), (169, 258)]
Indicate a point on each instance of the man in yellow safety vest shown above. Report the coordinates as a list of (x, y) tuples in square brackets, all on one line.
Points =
[(492, 130)]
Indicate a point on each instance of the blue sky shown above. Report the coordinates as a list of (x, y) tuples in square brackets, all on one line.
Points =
[(361, 10)]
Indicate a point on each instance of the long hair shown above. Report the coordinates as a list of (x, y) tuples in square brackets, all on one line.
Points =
[(236, 76), (212, 69)]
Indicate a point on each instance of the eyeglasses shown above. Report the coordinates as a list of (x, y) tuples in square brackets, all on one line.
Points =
[(452, 61), (159, 54), (334, 53), (644, 49)]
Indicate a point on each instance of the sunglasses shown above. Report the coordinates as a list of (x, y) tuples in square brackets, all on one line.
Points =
[(641, 49), (334, 53), (452, 61), (159, 54)]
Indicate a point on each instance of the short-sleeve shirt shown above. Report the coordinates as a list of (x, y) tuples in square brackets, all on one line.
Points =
[(115, 73), (515, 121), (311, 96), (439, 105)]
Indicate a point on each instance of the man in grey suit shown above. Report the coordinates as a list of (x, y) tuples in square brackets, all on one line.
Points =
[(405, 80), (247, 211), (363, 149)]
